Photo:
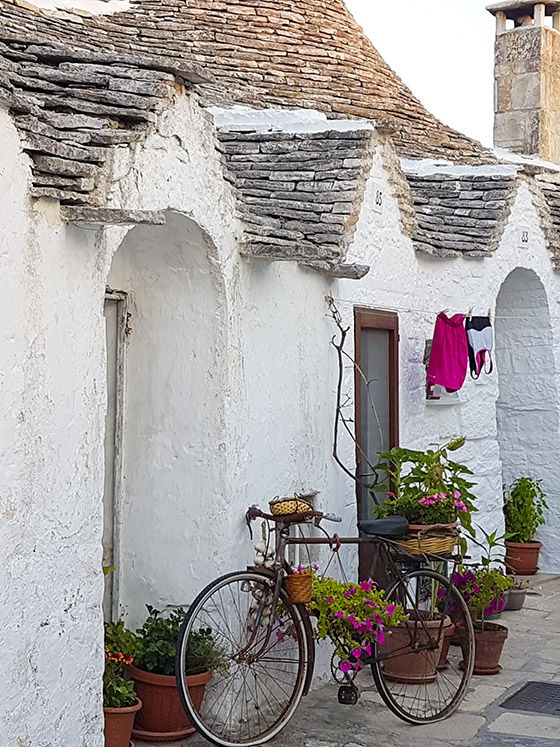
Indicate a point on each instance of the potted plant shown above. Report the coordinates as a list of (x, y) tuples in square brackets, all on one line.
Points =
[(524, 506), (515, 595), (426, 487), (483, 586), (162, 717), (120, 704)]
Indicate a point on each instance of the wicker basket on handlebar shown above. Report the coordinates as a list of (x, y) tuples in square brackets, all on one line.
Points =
[(286, 506), (437, 539), (298, 586)]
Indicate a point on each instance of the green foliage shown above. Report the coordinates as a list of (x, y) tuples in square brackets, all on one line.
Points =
[(119, 638), (524, 506), (351, 614), (118, 690), (157, 641), (483, 584), (410, 476), (157, 644)]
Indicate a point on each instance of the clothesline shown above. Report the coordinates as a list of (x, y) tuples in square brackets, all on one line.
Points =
[(429, 313)]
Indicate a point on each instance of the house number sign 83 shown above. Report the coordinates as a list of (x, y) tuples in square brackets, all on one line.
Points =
[(378, 198), (524, 237)]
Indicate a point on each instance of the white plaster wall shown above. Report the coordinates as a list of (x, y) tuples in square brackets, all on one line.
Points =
[(50, 431), (527, 407)]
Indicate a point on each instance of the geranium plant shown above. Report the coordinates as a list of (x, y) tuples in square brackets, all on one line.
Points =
[(426, 487), (352, 616), (118, 689)]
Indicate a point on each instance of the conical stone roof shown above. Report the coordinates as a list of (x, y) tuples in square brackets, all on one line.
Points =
[(262, 53)]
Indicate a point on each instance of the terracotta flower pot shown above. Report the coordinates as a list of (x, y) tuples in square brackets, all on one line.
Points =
[(162, 718), (488, 648), (406, 665), (522, 558), (118, 724)]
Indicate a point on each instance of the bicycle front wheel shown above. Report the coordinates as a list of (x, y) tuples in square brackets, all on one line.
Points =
[(424, 667), (261, 660)]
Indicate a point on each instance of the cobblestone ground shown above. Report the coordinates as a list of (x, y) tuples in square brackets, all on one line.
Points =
[(531, 653)]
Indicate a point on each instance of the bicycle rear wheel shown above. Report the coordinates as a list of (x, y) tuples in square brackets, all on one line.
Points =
[(258, 684), (425, 665)]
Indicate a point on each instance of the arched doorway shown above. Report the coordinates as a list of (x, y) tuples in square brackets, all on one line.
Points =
[(527, 406), (172, 466)]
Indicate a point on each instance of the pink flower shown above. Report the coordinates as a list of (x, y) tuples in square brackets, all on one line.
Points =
[(345, 666), (461, 506), (356, 665), (391, 609), (279, 636), (442, 497), (338, 614), (356, 653), (365, 586), (367, 648), (456, 495), (329, 600), (380, 637)]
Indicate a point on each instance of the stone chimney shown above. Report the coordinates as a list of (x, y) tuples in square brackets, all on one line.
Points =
[(527, 78)]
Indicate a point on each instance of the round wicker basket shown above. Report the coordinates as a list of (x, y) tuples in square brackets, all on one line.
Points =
[(438, 539), (298, 586), (286, 506)]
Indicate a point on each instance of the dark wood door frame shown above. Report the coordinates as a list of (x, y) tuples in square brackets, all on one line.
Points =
[(372, 319)]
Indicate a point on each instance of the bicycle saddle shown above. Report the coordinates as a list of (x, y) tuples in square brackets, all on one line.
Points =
[(392, 526)]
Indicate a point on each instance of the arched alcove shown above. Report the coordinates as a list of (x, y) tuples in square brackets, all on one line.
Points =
[(172, 426), (527, 405)]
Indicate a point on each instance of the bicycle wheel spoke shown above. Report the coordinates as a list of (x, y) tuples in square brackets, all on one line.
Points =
[(251, 697), (420, 680)]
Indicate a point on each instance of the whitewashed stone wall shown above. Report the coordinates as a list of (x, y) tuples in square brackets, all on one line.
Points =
[(214, 423)]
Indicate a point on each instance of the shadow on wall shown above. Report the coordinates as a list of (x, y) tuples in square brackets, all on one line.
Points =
[(527, 407), (173, 471)]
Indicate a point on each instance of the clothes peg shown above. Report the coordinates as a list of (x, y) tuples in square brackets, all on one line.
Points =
[(489, 313), (469, 315)]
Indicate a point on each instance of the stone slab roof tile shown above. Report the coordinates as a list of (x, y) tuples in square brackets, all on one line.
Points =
[(296, 209), (460, 215), (269, 53)]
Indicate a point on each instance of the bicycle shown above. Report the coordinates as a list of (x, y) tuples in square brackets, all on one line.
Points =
[(270, 651)]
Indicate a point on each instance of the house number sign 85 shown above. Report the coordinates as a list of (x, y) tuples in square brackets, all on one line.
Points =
[(378, 198)]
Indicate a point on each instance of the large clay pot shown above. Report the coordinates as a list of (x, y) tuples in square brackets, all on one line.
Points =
[(522, 558), (118, 724), (488, 645), (162, 718), (407, 665)]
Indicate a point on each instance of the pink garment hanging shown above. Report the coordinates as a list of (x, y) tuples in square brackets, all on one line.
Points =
[(449, 355)]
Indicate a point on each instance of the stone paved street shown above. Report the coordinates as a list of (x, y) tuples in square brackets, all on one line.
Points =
[(531, 653)]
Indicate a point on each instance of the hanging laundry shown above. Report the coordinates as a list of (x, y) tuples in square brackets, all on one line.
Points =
[(480, 340), (449, 354)]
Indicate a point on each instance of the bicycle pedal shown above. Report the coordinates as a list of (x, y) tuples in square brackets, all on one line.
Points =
[(348, 695)]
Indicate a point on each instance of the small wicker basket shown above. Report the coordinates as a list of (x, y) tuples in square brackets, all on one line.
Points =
[(438, 539), (286, 506), (298, 586)]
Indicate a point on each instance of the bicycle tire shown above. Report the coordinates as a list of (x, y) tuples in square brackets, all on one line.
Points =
[(247, 703), (419, 686)]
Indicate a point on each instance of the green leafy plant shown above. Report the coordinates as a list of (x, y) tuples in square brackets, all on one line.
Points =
[(483, 584), (524, 507), (157, 643), (118, 690), (352, 616), (426, 487)]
